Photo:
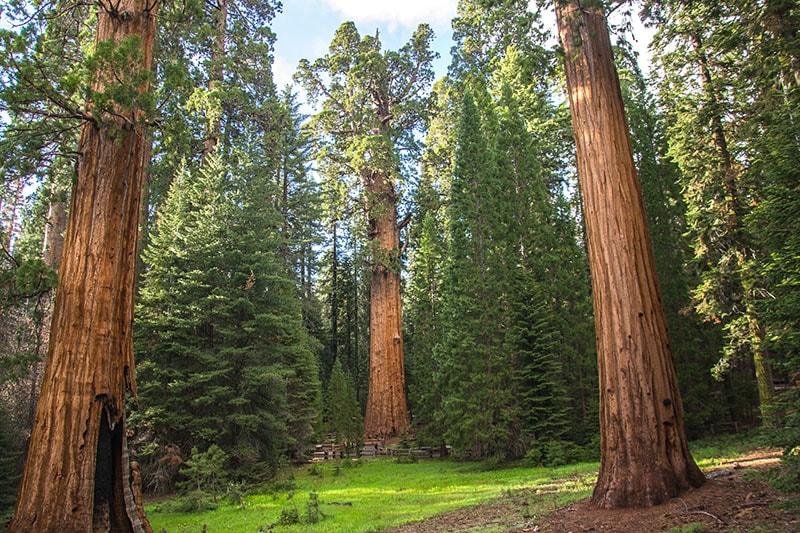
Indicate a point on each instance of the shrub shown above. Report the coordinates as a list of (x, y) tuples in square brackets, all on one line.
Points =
[(205, 473), (313, 512), (552, 453), (289, 516)]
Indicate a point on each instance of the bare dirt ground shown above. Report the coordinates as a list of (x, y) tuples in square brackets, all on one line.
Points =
[(729, 503)]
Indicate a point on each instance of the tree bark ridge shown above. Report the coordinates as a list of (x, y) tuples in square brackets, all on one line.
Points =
[(645, 458)]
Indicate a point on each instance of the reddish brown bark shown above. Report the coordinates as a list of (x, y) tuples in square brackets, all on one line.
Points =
[(77, 475), (645, 458), (387, 412), (53, 246)]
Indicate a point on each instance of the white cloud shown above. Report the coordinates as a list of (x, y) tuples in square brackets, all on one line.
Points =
[(282, 72), (407, 13)]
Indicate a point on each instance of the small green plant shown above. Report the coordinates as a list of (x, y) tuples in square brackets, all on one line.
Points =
[(405, 459), (205, 471), (405, 441), (193, 502), (351, 463), (289, 516), (313, 511), (235, 494)]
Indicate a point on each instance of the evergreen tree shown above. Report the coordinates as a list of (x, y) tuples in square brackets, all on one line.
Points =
[(478, 404), (213, 86), (716, 187), (90, 353), (424, 316), (43, 49), (425, 328), (534, 337), (9, 465), (505, 43), (640, 402), (219, 324), (742, 73), (375, 102), (534, 270), (342, 413)]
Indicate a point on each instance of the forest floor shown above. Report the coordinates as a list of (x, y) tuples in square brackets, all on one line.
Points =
[(732, 502)]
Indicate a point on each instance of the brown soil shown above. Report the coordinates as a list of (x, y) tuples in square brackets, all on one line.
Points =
[(729, 503)]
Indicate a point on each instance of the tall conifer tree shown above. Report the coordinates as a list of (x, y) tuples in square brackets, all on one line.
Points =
[(219, 323), (374, 103), (645, 457)]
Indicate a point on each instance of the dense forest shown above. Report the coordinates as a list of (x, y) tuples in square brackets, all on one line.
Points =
[(410, 260)]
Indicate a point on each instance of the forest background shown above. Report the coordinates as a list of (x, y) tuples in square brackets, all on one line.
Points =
[(252, 319)]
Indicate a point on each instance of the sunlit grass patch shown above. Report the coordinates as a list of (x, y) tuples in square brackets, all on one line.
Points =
[(378, 494), (370, 495)]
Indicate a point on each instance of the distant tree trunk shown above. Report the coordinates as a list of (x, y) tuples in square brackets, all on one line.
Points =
[(9, 207), (335, 290), (216, 76), (77, 476), (734, 215), (53, 242), (645, 458), (387, 411)]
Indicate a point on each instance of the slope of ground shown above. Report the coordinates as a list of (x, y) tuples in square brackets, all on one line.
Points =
[(729, 503)]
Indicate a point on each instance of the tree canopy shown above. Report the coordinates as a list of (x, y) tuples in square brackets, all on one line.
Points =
[(480, 262)]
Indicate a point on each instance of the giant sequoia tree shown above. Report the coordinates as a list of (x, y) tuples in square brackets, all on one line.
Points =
[(77, 476), (645, 458), (374, 102)]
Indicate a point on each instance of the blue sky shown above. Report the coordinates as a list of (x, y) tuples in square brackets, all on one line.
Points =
[(306, 27)]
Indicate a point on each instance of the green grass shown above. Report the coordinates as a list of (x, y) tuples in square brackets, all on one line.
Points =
[(380, 493), (371, 495)]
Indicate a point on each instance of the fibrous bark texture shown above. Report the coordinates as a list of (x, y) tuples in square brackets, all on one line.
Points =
[(645, 458), (77, 475), (387, 412)]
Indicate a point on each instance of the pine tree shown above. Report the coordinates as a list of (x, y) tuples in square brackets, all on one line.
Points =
[(716, 185), (478, 404), (218, 324), (505, 44), (732, 99), (534, 337), (424, 315), (342, 413), (534, 270)]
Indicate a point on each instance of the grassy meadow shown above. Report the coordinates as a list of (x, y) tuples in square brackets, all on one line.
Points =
[(369, 495)]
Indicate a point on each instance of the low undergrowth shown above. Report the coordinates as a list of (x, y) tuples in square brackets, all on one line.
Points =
[(370, 495)]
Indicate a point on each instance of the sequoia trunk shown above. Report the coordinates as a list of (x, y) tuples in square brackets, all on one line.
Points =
[(387, 411), (77, 476), (645, 458)]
